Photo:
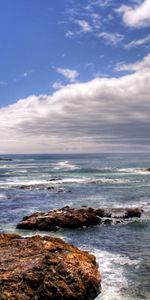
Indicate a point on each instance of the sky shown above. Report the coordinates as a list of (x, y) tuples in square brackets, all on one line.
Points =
[(74, 76)]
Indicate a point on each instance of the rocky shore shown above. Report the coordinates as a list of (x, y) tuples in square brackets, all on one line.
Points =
[(45, 268), (77, 218)]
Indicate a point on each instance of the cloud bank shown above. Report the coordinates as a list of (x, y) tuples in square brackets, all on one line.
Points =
[(104, 114)]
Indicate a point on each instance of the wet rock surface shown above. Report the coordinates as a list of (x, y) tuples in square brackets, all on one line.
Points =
[(77, 218), (45, 268)]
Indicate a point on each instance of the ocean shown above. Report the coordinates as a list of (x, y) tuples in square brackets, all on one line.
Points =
[(32, 183)]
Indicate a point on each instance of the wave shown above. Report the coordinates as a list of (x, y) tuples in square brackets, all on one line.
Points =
[(113, 181), (65, 165), (93, 180), (113, 278), (18, 183), (68, 180), (141, 171)]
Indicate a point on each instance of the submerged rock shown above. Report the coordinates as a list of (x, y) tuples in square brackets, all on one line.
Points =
[(77, 218), (45, 268)]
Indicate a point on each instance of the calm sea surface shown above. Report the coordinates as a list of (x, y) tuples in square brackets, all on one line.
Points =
[(105, 180)]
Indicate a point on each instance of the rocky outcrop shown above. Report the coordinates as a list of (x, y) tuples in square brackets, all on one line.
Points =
[(5, 159), (44, 186), (45, 268), (76, 218), (119, 213)]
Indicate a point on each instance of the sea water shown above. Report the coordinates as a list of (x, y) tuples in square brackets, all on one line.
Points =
[(98, 180)]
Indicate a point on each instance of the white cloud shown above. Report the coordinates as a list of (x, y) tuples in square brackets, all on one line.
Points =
[(57, 85), (84, 25), (68, 73), (111, 38), (105, 114), (136, 16), (137, 43), (138, 66)]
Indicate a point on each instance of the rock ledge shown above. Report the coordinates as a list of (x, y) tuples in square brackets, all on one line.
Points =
[(45, 268)]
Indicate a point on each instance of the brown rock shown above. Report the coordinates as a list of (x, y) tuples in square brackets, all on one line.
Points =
[(133, 213), (61, 218), (45, 268), (77, 218)]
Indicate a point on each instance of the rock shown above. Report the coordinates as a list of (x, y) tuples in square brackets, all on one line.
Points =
[(45, 268), (133, 213), (60, 218), (77, 218), (44, 186), (121, 213), (37, 186), (5, 159)]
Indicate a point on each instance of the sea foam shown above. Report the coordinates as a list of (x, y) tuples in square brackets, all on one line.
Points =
[(114, 281)]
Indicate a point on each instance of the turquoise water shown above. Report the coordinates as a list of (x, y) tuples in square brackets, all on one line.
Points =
[(106, 180)]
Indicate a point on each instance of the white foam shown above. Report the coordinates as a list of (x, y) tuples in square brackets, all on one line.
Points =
[(69, 180), (17, 182), (65, 165), (113, 277), (113, 181), (93, 180), (141, 171), (3, 196)]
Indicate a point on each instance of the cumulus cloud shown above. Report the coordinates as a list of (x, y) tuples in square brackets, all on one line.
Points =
[(105, 114), (138, 66), (136, 16), (68, 73), (111, 38)]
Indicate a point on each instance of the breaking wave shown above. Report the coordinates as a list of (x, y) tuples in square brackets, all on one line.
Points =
[(114, 281), (65, 165), (141, 171)]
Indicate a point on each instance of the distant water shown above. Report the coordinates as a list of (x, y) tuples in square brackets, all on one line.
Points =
[(105, 180)]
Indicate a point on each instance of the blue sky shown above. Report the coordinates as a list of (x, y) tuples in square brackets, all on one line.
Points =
[(51, 48)]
